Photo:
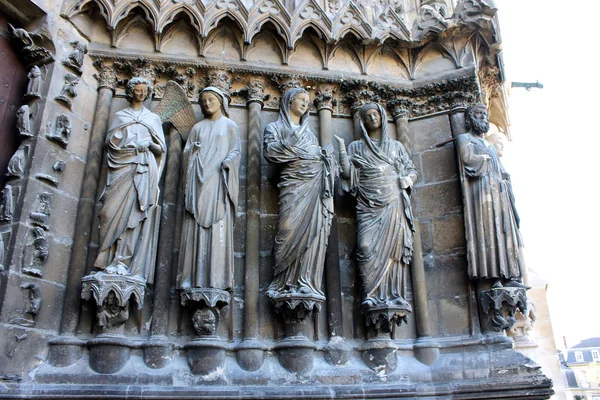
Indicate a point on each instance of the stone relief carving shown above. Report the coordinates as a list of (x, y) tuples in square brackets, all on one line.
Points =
[(135, 147), (32, 46), (18, 162), (23, 121), (491, 220), (500, 305), (211, 162), (34, 88), (40, 216), (6, 204), (35, 252), (62, 131), (75, 59), (524, 322), (380, 173), (34, 304), (306, 207), (69, 90)]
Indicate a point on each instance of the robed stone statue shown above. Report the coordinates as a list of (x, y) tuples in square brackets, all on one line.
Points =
[(380, 174), (211, 162), (491, 221), (135, 149), (305, 201)]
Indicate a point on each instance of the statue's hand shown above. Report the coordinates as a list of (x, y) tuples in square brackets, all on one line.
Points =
[(405, 182), (226, 164), (485, 156), (142, 148), (340, 142)]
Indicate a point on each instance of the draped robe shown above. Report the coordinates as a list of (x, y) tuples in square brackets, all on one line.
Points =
[(305, 204), (130, 211), (211, 195), (384, 215), (491, 222)]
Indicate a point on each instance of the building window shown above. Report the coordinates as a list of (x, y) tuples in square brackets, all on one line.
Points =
[(578, 356), (596, 355)]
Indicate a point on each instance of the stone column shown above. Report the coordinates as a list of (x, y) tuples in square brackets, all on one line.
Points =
[(66, 349), (337, 352), (427, 350), (157, 351), (250, 353)]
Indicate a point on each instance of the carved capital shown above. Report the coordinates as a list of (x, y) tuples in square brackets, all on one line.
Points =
[(400, 107), (357, 92), (325, 98), (490, 83), (288, 82), (256, 91), (220, 79), (106, 76), (382, 316)]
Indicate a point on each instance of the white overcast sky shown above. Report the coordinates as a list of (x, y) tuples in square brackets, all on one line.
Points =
[(554, 156)]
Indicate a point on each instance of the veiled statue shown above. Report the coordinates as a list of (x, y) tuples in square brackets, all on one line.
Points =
[(135, 149), (380, 174), (491, 221), (306, 188), (211, 162)]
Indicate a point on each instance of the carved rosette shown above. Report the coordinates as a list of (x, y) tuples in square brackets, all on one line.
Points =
[(500, 304), (325, 98), (106, 76)]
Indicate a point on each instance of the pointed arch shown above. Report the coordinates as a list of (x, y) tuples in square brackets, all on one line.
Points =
[(131, 21), (122, 11), (168, 16), (74, 7), (221, 31), (281, 28), (214, 18), (181, 23)]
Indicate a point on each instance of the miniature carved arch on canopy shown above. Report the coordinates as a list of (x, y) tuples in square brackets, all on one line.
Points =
[(229, 31), (123, 10), (136, 18), (73, 7), (269, 36), (351, 19), (312, 41), (220, 9), (168, 16), (181, 23), (351, 46), (270, 11), (310, 14)]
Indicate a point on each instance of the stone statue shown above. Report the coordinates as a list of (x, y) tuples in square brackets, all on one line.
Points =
[(380, 174), (16, 165), (23, 125), (35, 83), (135, 147), (491, 221), (305, 200), (498, 140), (211, 162)]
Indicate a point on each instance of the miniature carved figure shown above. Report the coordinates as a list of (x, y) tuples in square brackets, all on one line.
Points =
[(305, 200), (111, 313), (62, 132), (491, 221), (34, 88), (69, 89), (380, 173), (135, 147), (6, 204), (23, 125), (40, 216), (211, 175), (16, 165), (75, 59)]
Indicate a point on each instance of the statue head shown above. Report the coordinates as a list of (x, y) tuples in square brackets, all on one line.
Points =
[(212, 100), (299, 102), (476, 119), (139, 84), (373, 118), (497, 140)]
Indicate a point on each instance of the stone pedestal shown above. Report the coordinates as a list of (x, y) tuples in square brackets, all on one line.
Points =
[(379, 354), (109, 353), (250, 354), (157, 352), (295, 351), (65, 351), (205, 355)]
